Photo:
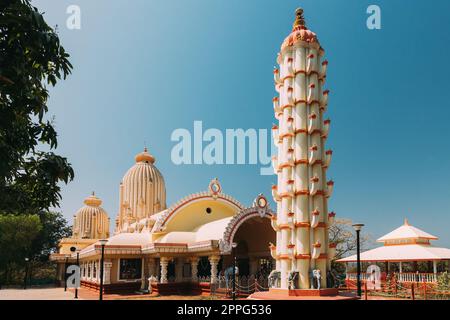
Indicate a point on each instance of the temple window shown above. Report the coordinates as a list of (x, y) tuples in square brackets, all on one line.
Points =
[(130, 269)]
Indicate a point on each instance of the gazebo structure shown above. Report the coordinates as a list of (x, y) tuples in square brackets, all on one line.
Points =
[(405, 245)]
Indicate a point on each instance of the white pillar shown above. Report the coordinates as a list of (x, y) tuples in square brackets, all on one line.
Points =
[(435, 271), (91, 268), (107, 264), (164, 262), (97, 263), (400, 267), (194, 268), (214, 261)]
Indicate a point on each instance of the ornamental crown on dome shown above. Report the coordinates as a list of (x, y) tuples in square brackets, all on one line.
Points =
[(300, 32), (145, 157), (93, 200)]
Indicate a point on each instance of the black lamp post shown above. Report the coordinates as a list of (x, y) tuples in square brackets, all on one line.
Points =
[(233, 246), (103, 243), (26, 274), (73, 249), (358, 227), (79, 272), (65, 273)]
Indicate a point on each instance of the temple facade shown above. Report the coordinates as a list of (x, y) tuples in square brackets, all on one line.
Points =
[(192, 243), (302, 189), (188, 245)]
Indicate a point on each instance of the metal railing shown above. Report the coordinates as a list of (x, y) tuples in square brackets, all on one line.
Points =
[(401, 277)]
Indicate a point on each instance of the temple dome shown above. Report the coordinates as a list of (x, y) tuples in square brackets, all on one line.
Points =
[(91, 221), (143, 191)]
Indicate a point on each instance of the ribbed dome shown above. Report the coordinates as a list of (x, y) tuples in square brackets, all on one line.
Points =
[(143, 190), (91, 221)]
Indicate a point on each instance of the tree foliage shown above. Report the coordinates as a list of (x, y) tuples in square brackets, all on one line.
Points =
[(54, 228), (342, 233), (31, 58), (17, 233)]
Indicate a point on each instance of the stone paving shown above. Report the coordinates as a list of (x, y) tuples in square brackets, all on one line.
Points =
[(36, 294)]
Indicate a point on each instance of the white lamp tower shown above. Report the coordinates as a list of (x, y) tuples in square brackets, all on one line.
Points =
[(302, 190)]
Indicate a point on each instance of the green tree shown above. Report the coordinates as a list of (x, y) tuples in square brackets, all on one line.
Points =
[(31, 58), (343, 235), (17, 233), (54, 228)]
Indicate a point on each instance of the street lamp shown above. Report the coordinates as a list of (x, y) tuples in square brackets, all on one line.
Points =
[(358, 227), (103, 243), (233, 246), (79, 272), (73, 249), (26, 274), (65, 273)]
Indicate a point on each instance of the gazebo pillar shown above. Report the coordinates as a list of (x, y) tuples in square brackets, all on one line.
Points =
[(435, 270), (400, 267)]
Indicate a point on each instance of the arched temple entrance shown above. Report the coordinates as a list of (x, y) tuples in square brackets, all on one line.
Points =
[(251, 231)]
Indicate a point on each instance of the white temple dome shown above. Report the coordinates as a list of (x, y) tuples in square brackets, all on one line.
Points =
[(91, 221), (143, 190)]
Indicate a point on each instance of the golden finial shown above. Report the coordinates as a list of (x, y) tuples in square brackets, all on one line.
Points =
[(406, 223), (299, 19)]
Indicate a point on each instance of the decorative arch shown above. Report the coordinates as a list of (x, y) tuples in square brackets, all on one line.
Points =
[(225, 244), (214, 193)]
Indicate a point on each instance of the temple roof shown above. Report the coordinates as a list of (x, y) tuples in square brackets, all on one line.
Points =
[(413, 252), (406, 231)]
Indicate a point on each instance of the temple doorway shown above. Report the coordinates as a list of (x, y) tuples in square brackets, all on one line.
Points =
[(253, 237)]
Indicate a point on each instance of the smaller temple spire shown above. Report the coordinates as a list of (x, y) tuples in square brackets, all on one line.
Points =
[(299, 19), (406, 223)]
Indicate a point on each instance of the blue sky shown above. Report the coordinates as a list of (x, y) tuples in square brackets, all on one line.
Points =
[(145, 68)]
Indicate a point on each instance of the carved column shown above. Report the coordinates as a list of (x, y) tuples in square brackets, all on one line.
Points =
[(214, 261), (164, 263), (194, 268)]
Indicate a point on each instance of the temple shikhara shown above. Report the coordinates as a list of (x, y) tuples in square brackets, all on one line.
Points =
[(184, 248)]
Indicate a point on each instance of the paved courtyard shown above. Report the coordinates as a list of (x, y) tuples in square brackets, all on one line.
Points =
[(36, 294), (84, 294)]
